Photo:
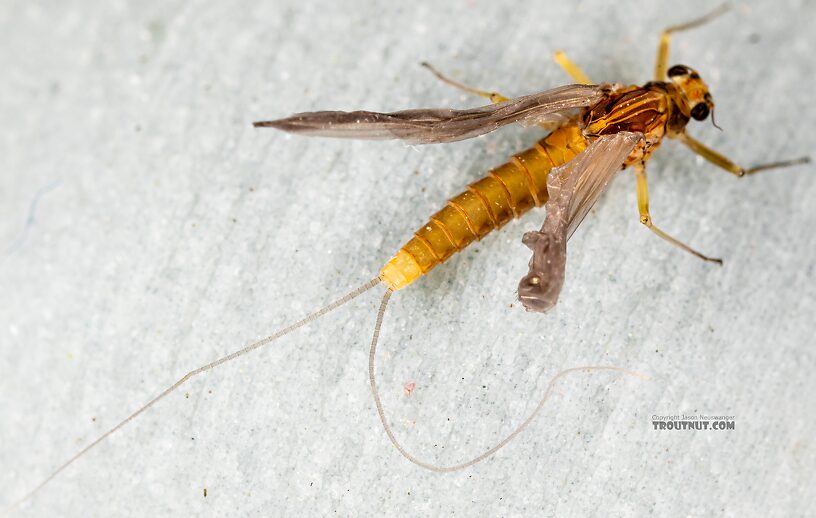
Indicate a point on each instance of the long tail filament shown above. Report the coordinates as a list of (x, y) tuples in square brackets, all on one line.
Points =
[(462, 465), (371, 376), (224, 359)]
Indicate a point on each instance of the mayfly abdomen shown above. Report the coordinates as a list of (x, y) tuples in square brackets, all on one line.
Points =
[(506, 192)]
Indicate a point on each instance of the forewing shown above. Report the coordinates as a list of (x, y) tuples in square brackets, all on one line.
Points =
[(583, 179), (573, 188), (428, 126)]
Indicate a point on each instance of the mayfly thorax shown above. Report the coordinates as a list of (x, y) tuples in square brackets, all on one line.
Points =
[(595, 131)]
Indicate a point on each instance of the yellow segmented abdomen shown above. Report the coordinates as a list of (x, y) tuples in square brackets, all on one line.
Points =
[(506, 192)]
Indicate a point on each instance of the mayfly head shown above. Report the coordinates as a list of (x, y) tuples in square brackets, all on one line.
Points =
[(694, 90)]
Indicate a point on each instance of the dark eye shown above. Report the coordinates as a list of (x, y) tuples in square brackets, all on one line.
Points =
[(679, 70), (700, 111)]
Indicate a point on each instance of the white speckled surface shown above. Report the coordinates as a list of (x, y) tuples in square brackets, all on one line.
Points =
[(146, 228)]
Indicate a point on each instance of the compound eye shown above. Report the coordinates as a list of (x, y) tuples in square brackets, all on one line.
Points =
[(700, 111), (679, 70)]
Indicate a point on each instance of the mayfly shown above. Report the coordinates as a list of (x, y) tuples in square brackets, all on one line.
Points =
[(596, 130)]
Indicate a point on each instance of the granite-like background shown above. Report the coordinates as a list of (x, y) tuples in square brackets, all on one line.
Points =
[(147, 228)]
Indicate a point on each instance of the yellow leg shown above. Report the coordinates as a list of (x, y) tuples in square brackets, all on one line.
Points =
[(571, 68), (724, 163), (662, 62), (493, 96), (646, 218)]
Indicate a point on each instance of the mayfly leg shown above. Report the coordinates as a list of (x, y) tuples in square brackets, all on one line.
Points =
[(494, 97), (662, 61), (733, 168), (646, 218), (573, 70), (569, 66)]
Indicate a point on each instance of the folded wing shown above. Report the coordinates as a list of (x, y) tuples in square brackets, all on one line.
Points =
[(573, 189), (429, 126)]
